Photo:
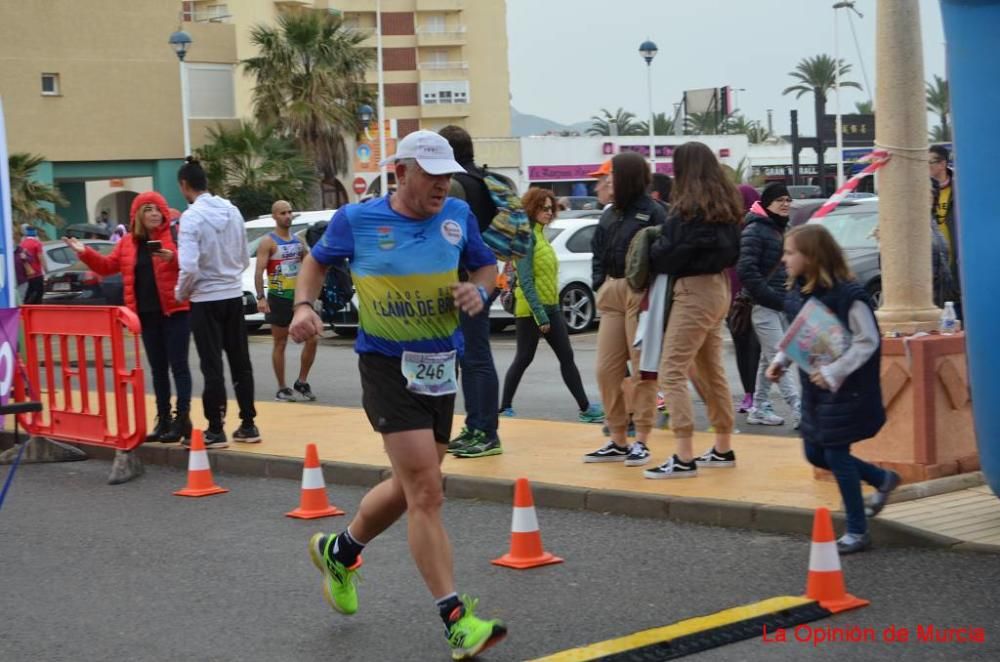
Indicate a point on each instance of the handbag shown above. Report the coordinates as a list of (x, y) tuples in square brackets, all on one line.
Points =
[(741, 311)]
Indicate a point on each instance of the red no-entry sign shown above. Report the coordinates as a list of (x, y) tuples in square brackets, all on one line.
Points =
[(360, 185)]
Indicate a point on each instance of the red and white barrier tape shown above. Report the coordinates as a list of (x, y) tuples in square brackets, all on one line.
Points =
[(878, 158)]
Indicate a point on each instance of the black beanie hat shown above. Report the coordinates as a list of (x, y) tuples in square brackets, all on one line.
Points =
[(772, 192)]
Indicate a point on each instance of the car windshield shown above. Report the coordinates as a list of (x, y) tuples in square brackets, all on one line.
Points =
[(255, 235), (551, 233), (852, 229)]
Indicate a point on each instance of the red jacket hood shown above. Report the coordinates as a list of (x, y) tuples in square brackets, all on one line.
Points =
[(149, 198)]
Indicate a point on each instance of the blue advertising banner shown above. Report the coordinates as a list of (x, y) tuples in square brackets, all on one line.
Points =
[(8, 285)]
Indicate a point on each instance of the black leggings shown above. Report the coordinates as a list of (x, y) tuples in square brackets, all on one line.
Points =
[(527, 342), (747, 349)]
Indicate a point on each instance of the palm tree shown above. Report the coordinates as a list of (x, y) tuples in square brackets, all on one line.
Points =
[(865, 107), (939, 104), (600, 125), (818, 75), (28, 195), (708, 123), (310, 80), (662, 125), (253, 167), (940, 134)]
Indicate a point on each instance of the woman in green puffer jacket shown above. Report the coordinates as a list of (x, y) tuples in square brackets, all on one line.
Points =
[(537, 313)]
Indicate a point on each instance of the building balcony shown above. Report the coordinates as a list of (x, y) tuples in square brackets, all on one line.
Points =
[(440, 5), (295, 3), (443, 66), (452, 37), (440, 110), (213, 15)]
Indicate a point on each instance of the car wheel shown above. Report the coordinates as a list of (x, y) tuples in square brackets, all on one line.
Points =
[(577, 302), (874, 290)]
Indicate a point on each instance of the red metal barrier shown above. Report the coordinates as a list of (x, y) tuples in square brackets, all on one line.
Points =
[(83, 336)]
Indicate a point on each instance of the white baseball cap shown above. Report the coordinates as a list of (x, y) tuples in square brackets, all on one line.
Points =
[(431, 151)]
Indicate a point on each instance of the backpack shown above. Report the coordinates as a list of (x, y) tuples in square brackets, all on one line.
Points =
[(508, 233), (637, 258), (21, 265)]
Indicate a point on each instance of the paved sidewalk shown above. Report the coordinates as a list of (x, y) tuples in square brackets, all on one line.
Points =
[(772, 488)]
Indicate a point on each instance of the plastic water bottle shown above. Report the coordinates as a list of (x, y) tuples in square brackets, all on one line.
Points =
[(949, 320)]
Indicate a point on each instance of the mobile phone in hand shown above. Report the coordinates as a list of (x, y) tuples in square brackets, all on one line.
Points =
[(154, 246)]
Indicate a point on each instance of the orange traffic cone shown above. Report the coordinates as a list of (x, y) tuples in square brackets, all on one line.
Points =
[(313, 503), (826, 580), (200, 481), (525, 539)]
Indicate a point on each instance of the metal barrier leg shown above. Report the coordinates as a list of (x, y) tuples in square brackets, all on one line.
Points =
[(125, 467)]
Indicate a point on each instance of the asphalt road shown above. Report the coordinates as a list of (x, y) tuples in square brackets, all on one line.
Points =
[(541, 395), (92, 572)]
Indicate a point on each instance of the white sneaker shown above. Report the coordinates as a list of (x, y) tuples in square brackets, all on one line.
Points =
[(764, 416)]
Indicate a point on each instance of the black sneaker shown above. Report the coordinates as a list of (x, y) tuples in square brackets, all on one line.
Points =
[(638, 455), (302, 388), (213, 439), (852, 543), (609, 452), (247, 434), (284, 395), (180, 429), (876, 502), (161, 428), (673, 468), (715, 459)]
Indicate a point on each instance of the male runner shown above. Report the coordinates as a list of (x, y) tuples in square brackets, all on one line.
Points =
[(280, 253), (405, 251)]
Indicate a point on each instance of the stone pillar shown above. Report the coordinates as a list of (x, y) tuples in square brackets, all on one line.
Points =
[(904, 184)]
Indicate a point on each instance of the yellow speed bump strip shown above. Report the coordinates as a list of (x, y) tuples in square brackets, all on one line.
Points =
[(700, 633)]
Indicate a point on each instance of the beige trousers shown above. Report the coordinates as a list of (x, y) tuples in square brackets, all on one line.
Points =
[(693, 346), (619, 309)]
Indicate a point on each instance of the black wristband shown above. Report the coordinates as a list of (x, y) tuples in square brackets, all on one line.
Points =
[(302, 303)]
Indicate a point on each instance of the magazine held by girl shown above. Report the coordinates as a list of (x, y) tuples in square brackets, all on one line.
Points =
[(815, 337)]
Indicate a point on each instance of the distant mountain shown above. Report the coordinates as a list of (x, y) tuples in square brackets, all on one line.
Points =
[(522, 124)]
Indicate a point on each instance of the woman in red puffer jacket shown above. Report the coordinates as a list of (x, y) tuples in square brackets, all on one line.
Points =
[(149, 274)]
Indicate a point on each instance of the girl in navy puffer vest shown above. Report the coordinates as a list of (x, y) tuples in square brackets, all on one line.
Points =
[(841, 401)]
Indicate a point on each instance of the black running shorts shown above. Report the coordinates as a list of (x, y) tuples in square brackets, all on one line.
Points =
[(281, 311), (392, 408)]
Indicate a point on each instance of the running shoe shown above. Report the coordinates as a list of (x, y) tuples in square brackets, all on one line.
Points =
[(480, 446), (469, 635), (609, 452), (715, 459), (673, 468), (764, 415), (876, 502), (339, 581), (303, 389), (593, 414), (285, 395), (247, 434), (461, 441), (747, 404), (852, 543), (508, 412), (638, 455), (211, 439)]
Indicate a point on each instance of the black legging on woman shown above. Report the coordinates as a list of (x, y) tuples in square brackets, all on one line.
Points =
[(747, 349), (527, 342)]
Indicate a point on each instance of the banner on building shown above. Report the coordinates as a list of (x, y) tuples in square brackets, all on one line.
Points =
[(367, 153), (8, 285)]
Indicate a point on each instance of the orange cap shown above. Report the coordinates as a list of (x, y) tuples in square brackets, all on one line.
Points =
[(605, 169)]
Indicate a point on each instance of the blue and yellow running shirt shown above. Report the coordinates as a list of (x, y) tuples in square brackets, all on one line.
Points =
[(403, 270)]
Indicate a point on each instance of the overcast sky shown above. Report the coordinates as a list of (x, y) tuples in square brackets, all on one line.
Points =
[(569, 58)]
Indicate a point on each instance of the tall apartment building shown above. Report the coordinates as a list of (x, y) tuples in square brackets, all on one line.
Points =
[(95, 89), (444, 61)]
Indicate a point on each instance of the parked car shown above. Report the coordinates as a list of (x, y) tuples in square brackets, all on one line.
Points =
[(87, 231), (78, 285), (580, 202), (59, 256), (256, 230), (853, 225), (570, 239)]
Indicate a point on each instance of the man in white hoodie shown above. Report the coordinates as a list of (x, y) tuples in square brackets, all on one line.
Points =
[(212, 252)]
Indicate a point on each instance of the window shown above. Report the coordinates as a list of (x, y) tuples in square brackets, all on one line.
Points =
[(50, 85), (454, 91), (434, 23), (580, 242), (210, 91)]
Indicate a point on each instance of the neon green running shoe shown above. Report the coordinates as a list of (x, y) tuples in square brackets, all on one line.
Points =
[(463, 439), (338, 580), (468, 635)]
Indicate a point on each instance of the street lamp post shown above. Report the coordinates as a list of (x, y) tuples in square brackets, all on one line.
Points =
[(648, 50), (181, 42), (365, 115), (838, 128), (383, 176)]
